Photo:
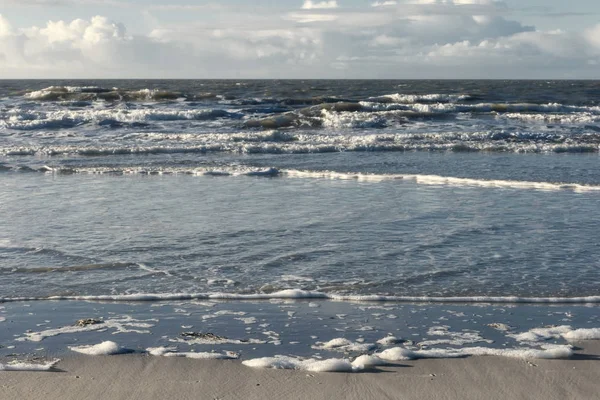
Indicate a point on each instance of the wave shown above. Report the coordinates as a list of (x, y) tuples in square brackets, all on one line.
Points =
[(421, 98), (432, 102), (445, 180), (499, 108), (304, 295), (27, 120), (241, 170), (330, 113), (83, 93), (299, 142), (576, 118), (94, 93), (368, 114)]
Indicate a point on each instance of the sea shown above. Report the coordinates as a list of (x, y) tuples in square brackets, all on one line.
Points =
[(305, 224)]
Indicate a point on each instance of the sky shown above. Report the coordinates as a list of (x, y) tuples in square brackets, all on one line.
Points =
[(239, 39)]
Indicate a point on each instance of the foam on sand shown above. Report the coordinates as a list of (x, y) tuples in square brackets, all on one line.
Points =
[(546, 352), (582, 334), (106, 348), (172, 352), (312, 365), (25, 366), (557, 332), (361, 363)]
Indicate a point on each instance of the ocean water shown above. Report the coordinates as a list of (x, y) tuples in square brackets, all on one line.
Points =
[(262, 192)]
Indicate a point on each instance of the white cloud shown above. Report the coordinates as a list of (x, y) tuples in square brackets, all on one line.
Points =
[(459, 38), (385, 40), (592, 36), (5, 28), (309, 5), (384, 3), (306, 18)]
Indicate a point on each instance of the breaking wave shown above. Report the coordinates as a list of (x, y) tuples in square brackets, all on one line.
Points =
[(298, 142), (79, 93), (242, 170), (27, 120)]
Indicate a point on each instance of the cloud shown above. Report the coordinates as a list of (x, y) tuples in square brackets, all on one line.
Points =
[(423, 39), (5, 27), (95, 47), (592, 36), (384, 3), (67, 3), (309, 5)]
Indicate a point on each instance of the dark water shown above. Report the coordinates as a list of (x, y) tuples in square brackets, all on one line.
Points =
[(72, 121)]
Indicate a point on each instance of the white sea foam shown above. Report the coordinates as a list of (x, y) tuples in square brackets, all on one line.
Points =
[(575, 118), (200, 340), (106, 348), (160, 351), (366, 362), (388, 341), (550, 352), (500, 326), (352, 120), (304, 294), (556, 332), (46, 92), (360, 177), (344, 345), (56, 93), (301, 143), (27, 120), (125, 324), (415, 98), (452, 337), (39, 336), (172, 352), (442, 180), (312, 365), (230, 312), (582, 334), (248, 321), (27, 366), (204, 355), (402, 354)]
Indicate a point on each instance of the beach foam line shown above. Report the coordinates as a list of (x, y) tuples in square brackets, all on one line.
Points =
[(303, 295), (315, 365), (25, 366), (172, 352), (393, 355)]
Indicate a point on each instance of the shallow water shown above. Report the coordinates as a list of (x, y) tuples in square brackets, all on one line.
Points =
[(395, 191)]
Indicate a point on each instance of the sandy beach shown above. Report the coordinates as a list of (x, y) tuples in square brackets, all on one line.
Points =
[(146, 377)]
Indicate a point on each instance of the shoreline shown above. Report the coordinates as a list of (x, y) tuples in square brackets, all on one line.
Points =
[(135, 376)]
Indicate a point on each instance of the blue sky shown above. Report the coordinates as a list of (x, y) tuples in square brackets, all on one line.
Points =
[(300, 39)]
